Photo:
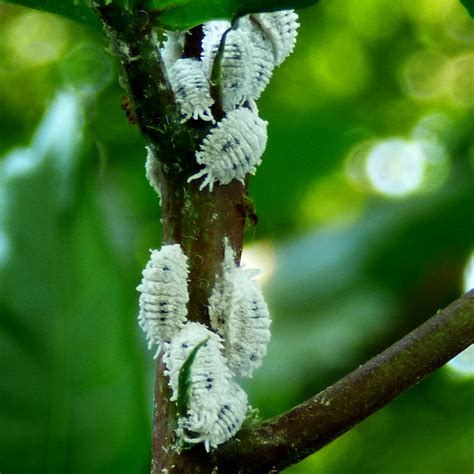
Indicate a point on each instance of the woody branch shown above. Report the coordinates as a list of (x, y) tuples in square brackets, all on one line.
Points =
[(197, 220), (288, 438)]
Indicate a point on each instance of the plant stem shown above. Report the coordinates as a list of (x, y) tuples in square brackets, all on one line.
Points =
[(288, 438), (197, 220)]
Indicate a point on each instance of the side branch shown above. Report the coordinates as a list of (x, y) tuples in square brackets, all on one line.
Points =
[(288, 438)]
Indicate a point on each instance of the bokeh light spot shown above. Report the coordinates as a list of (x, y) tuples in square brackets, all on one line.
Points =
[(424, 74), (37, 38), (86, 69), (396, 167), (461, 80), (260, 255), (468, 277), (339, 66), (463, 364)]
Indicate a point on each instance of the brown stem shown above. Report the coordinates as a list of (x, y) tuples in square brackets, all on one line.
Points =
[(197, 220), (288, 438)]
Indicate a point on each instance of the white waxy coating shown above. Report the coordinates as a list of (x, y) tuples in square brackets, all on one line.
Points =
[(281, 28), (163, 295), (236, 68), (191, 89), (238, 312), (232, 149), (262, 62), (217, 405)]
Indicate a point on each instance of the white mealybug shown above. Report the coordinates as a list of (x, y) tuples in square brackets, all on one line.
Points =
[(213, 31), (191, 89), (172, 49), (281, 29), (163, 295), (151, 168), (235, 68), (232, 149), (263, 60), (238, 312), (215, 406)]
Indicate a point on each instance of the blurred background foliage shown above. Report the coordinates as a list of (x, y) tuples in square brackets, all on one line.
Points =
[(366, 206)]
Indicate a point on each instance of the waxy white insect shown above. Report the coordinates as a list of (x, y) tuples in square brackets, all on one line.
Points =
[(232, 149), (191, 89), (213, 31), (151, 168), (217, 405), (163, 295), (238, 312), (172, 48), (235, 68), (281, 28), (262, 62)]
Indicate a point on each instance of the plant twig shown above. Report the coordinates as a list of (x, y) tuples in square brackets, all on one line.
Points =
[(288, 438)]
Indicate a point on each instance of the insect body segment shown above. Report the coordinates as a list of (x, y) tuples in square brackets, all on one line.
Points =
[(216, 405), (213, 32), (232, 149), (163, 295), (240, 315), (281, 28), (192, 89), (235, 68)]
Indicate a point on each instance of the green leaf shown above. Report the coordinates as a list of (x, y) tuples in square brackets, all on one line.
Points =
[(184, 14), (469, 6), (73, 390), (184, 380), (78, 12)]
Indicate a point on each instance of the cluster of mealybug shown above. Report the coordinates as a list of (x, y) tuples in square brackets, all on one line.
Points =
[(240, 58), (232, 149), (216, 405), (238, 313), (163, 295), (201, 362)]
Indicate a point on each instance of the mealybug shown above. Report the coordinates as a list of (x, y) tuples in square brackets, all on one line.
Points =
[(281, 28), (262, 62), (191, 89), (217, 420), (215, 405), (151, 168), (235, 68), (172, 49), (238, 312), (232, 149), (163, 295), (213, 31)]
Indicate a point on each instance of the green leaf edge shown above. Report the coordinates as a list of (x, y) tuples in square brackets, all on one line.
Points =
[(78, 13), (469, 6), (184, 380)]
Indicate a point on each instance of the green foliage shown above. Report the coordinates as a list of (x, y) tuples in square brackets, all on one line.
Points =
[(184, 14), (79, 12), (184, 381), (65, 328), (349, 268), (173, 14), (469, 6)]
